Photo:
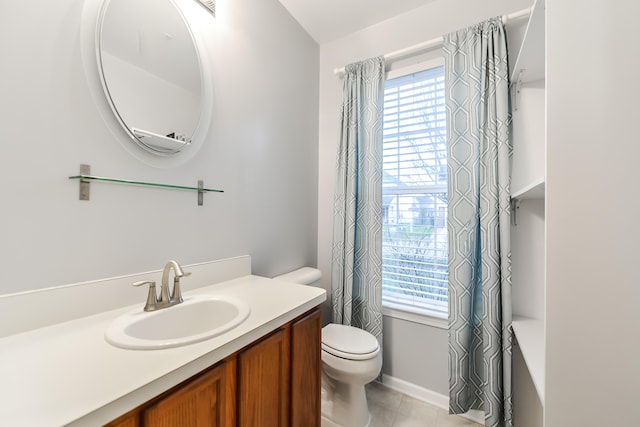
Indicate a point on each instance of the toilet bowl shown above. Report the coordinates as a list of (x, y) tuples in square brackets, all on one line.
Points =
[(351, 358)]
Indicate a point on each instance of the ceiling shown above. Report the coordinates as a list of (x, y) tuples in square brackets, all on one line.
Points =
[(328, 20)]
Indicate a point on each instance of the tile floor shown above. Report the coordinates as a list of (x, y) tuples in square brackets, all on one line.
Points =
[(390, 408)]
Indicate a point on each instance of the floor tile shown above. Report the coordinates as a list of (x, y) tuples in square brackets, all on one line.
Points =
[(406, 420), (447, 420), (418, 409), (380, 416), (378, 394), (390, 408)]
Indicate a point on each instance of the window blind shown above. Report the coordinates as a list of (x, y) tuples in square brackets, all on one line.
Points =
[(415, 242)]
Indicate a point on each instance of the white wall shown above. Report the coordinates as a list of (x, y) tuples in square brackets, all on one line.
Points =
[(425, 362), (592, 286), (261, 150)]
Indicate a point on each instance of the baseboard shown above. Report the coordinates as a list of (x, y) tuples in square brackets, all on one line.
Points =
[(428, 396)]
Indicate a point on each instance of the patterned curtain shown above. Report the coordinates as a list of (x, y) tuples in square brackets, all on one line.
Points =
[(479, 117), (357, 231)]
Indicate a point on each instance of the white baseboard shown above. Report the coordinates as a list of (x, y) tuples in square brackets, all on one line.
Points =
[(428, 396)]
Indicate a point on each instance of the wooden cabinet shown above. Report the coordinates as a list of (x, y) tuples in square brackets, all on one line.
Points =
[(208, 399), (263, 382), (274, 381), (306, 365), (279, 377), (199, 403), (130, 419)]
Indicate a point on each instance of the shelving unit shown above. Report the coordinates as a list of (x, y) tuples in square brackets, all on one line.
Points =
[(528, 200), (530, 335), (530, 63), (533, 190)]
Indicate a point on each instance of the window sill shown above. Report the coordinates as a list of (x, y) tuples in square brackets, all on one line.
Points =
[(423, 317)]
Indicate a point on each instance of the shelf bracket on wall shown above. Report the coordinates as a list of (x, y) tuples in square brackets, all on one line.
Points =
[(85, 178), (200, 192), (515, 205), (85, 187), (516, 88)]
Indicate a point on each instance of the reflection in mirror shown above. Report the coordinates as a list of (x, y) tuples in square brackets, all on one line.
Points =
[(151, 72)]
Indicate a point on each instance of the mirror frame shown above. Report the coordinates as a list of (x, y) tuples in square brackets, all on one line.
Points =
[(206, 98)]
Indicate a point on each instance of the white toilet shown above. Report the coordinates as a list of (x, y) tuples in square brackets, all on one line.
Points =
[(351, 358)]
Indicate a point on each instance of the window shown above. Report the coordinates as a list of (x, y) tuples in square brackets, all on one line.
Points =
[(415, 243)]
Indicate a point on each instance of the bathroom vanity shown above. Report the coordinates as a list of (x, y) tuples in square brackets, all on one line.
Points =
[(273, 381), (58, 369)]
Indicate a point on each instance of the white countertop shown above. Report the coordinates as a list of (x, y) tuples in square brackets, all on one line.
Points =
[(67, 374)]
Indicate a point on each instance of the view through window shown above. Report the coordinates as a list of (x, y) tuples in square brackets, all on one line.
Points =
[(415, 243)]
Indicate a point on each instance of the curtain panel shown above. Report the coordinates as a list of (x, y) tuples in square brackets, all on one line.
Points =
[(479, 117), (356, 274)]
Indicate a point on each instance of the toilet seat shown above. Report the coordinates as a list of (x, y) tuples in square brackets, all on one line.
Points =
[(348, 342)]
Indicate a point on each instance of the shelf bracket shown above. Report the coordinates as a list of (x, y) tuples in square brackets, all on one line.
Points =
[(200, 192), (516, 90), (515, 205), (85, 185)]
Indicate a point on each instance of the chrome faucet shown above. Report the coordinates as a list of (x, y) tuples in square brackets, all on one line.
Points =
[(176, 292), (166, 299)]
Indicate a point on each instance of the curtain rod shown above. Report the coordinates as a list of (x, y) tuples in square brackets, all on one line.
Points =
[(437, 42)]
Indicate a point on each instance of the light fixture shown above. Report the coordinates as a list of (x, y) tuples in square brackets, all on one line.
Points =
[(210, 5)]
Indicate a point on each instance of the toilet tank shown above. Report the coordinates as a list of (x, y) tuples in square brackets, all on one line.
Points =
[(303, 276)]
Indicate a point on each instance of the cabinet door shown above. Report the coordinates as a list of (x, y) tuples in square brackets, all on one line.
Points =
[(263, 382), (130, 419), (305, 370), (200, 402)]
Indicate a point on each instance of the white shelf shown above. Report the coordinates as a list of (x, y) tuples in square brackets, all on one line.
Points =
[(530, 335), (159, 141), (530, 63), (533, 190), (528, 238)]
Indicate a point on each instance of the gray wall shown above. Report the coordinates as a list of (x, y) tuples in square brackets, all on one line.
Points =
[(261, 150), (416, 353)]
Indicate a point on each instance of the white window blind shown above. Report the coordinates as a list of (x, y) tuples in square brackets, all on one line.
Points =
[(415, 243)]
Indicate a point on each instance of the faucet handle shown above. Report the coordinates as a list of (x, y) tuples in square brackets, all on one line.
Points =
[(152, 297), (176, 292)]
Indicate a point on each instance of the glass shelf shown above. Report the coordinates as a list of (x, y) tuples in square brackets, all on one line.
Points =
[(147, 184), (85, 178)]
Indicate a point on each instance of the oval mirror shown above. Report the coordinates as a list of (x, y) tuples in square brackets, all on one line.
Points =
[(151, 72)]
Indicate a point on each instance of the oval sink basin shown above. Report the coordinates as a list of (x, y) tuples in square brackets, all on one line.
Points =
[(197, 318)]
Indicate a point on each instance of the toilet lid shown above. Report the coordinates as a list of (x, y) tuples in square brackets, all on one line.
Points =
[(349, 342)]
